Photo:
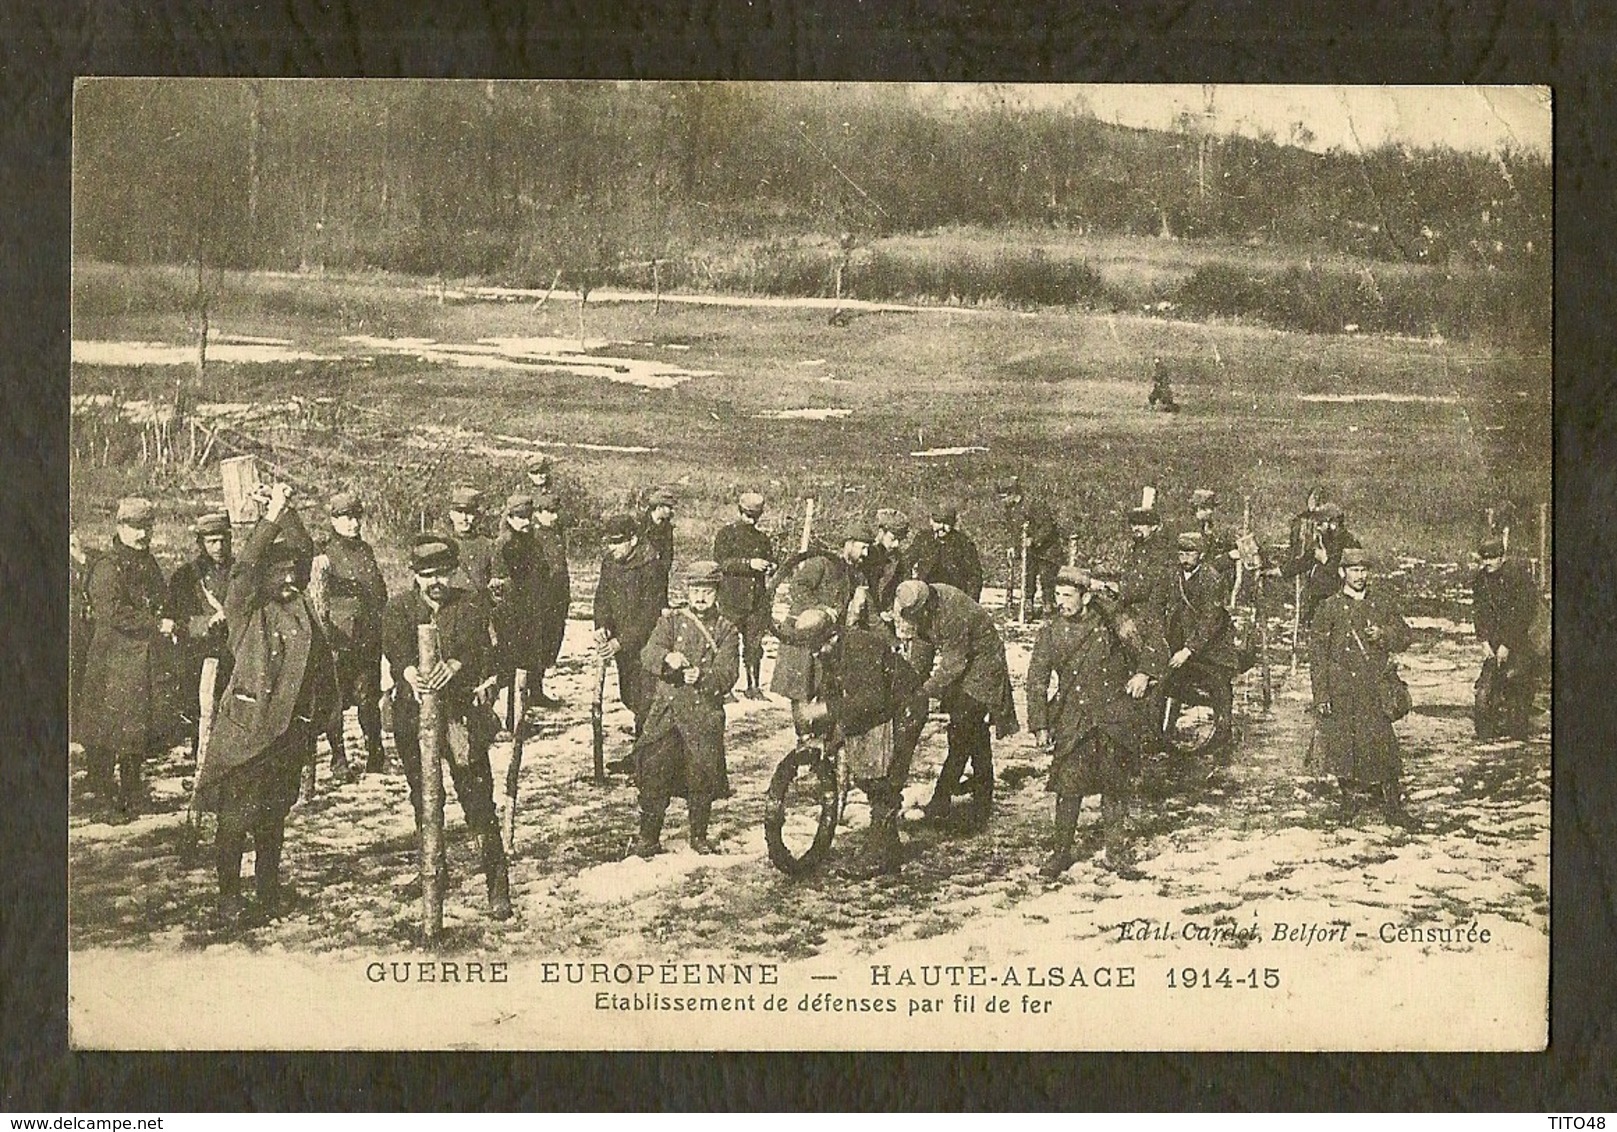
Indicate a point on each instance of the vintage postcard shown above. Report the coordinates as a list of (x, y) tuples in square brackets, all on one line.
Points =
[(576, 565)]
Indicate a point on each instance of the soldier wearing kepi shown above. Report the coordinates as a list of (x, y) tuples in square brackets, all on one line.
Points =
[(1201, 638), (693, 656), (464, 681), (282, 690), (538, 467), (658, 532), (350, 594), (746, 556), (196, 601), (1098, 722), (970, 678), (1505, 602), (890, 560), (1045, 549), (518, 581), (1221, 552), (1354, 636), (476, 548), (555, 593), (823, 580), (1318, 561), (124, 702), (629, 598), (948, 556), (1145, 582)]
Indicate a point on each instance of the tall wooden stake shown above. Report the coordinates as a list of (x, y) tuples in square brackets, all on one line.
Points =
[(432, 790), (1544, 546), (808, 524), (1021, 578)]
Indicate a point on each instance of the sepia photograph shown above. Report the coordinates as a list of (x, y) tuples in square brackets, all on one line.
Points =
[(848, 566)]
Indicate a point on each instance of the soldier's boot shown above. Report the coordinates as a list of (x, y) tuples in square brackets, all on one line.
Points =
[(700, 812), (131, 791), (496, 874), (884, 849), (536, 692), (1114, 816), (270, 896), (649, 843), (1062, 856), (755, 686), (954, 764), (227, 866)]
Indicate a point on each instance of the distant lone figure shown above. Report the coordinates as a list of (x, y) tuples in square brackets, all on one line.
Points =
[(1161, 399)]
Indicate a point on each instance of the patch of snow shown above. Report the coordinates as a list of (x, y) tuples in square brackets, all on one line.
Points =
[(964, 450), (100, 353), (1392, 398), (805, 414)]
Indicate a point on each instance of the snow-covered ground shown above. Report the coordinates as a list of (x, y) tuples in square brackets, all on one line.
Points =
[(1256, 849)]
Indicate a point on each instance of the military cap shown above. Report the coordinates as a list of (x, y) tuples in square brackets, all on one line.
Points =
[(946, 513), (1330, 511), (889, 519), (619, 528), (703, 572), (751, 502), (538, 462), (1143, 517), (519, 503), (911, 597), (814, 627), (213, 523), (857, 530), (1073, 576), (433, 552), (1193, 540), (345, 503), (546, 501), (662, 497), (466, 499), (1491, 547), (135, 511), (1355, 556), (1204, 497)]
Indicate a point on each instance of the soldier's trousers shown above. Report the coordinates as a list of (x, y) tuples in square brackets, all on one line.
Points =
[(634, 685), (359, 683), (751, 629), (465, 754), (1041, 574), (969, 742), (100, 767)]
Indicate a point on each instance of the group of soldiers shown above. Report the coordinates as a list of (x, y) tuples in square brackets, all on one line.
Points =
[(880, 622)]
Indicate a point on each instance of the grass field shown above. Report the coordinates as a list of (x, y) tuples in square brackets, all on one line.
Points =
[(1055, 396)]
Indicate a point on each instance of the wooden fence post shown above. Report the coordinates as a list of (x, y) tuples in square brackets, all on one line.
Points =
[(432, 790)]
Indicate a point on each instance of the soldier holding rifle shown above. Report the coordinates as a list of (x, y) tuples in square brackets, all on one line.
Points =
[(1200, 637), (629, 599), (465, 681), (282, 690), (1315, 556), (746, 556)]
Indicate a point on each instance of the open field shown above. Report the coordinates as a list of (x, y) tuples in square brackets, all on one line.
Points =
[(1416, 437)]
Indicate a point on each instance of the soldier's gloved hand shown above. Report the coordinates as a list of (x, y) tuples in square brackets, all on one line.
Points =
[(439, 677), (1321, 555), (483, 694), (1323, 709), (165, 627), (217, 619), (675, 660), (759, 565), (693, 674), (1042, 738), (1137, 686), (1178, 659), (1503, 653), (413, 679)]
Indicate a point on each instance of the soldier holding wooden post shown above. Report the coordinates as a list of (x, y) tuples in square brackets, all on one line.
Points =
[(196, 597)]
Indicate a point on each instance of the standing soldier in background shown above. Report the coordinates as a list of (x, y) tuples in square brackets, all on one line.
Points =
[(1354, 634), (629, 598), (1143, 586), (1161, 398), (516, 581), (1201, 642), (555, 593), (745, 557), (196, 600), (658, 533), (969, 677), (1318, 560), (538, 467), (464, 681), (1046, 549), (282, 690), (350, 594), (1505, 602), (692, 657), (476, 548), (890, 560), (827, 581), (1099, 722), (1221, 552), (124, 703), (948, 556)]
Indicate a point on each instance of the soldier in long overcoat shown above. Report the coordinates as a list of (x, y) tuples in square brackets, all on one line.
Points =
[(126, 702), (1099, 721), (971, 680), (350, 593), (657, 531), (282, 690), (746, 556), (947, 555), (693, 657), (1316, 556), (827, 580), (555, 593), (891, 559), (1504, 603), (1046, 550), (1200, 635), (476, 548), (629, 599), (1354, 636), (464, 680), (196, 598)]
